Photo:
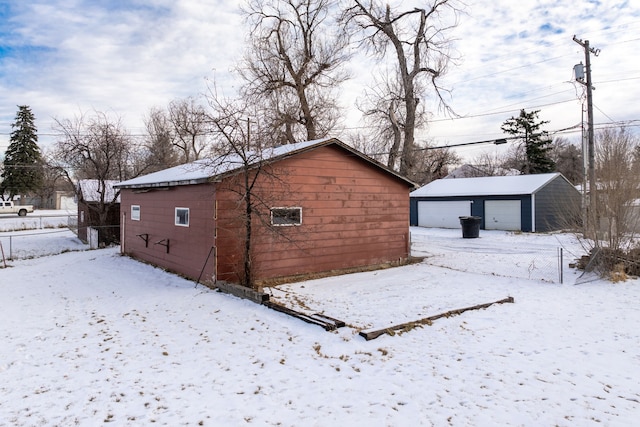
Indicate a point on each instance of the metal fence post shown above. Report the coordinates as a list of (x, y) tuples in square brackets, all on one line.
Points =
[(561, 263)]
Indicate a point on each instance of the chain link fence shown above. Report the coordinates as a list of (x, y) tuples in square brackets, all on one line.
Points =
[(38, 222), (38, 235), (547, 267), (523, 258)]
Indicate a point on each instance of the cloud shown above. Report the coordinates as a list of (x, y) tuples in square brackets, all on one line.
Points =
[(64, 57), (521, 55), (120, 56)]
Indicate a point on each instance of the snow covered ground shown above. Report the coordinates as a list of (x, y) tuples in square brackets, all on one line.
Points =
[(44, 232), (92, 337)]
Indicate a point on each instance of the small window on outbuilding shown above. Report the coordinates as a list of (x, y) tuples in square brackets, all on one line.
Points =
[(135, 212), (286, 216), (182, 217)]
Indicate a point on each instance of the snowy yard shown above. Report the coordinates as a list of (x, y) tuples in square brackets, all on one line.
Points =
[(91, 337)]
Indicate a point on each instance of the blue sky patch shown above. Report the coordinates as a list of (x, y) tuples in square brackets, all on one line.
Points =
[(550, 29)]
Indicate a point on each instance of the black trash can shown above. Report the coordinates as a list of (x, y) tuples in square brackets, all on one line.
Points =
[(470, 226)]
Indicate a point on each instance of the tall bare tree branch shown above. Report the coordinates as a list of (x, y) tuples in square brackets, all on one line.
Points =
[(420, 42), (293, 65)]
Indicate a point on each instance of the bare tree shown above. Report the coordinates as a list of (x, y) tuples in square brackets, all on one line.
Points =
[(293, 66), (515, 158), (420, 45), (190, 128), (227, 120), (382, 107), (54, 179), (373, 147), (568, 160), (96, 147), (432, 164), (614, 227), (250, 188), (493, 164), (159, 142), (618, 186), (239, 194)]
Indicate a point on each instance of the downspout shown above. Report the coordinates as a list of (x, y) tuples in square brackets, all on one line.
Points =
[(123, 233), (215, 241), (533, 212)]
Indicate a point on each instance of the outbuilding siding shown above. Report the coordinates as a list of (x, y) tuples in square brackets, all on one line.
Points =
[(188, 246), (354, 215), (556, 205)]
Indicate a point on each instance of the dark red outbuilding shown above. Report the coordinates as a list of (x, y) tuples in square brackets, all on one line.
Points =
[(318, 207)]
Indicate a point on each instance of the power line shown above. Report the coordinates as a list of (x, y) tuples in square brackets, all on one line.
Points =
[(502, 112)]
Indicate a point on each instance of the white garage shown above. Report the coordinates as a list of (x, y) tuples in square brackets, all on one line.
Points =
[(530, 203), (443, 214), (502, 215)]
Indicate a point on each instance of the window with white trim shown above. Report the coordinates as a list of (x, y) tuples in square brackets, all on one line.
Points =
[(135, 212), (286, 216), (182, 217)]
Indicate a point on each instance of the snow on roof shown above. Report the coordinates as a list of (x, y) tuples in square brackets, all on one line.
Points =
[(485, 186), (90, 190), (189, 173), (202, 171)]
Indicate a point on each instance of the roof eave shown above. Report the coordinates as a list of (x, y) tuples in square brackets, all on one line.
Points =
[(165, 184)]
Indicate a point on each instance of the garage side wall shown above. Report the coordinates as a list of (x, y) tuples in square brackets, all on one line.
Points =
[(353, 214), (557, 206), (155, 237)]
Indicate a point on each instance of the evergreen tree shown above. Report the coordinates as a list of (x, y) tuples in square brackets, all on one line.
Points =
[(537, 143), (22, 172)]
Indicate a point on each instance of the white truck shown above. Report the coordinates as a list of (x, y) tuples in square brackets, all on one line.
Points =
[(7, 207)]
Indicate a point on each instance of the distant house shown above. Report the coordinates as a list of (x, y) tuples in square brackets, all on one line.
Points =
[(53, 199), (320, 206), (532, 203), (95, 201)]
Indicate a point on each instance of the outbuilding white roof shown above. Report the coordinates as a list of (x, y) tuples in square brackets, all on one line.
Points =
[(90, 190), (486, 186), (202, 171)]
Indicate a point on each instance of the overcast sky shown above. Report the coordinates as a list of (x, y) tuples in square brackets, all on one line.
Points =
[(65, 57)]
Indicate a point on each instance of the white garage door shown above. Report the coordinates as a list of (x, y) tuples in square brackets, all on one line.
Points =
[(502, 215), (442, 214)]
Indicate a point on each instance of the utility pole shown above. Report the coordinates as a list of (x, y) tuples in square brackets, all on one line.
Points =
[(590, 142)]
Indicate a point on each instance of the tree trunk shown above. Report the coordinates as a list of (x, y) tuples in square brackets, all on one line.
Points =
[(407, 161), (397, 137), (248, 273), (309, 120)]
